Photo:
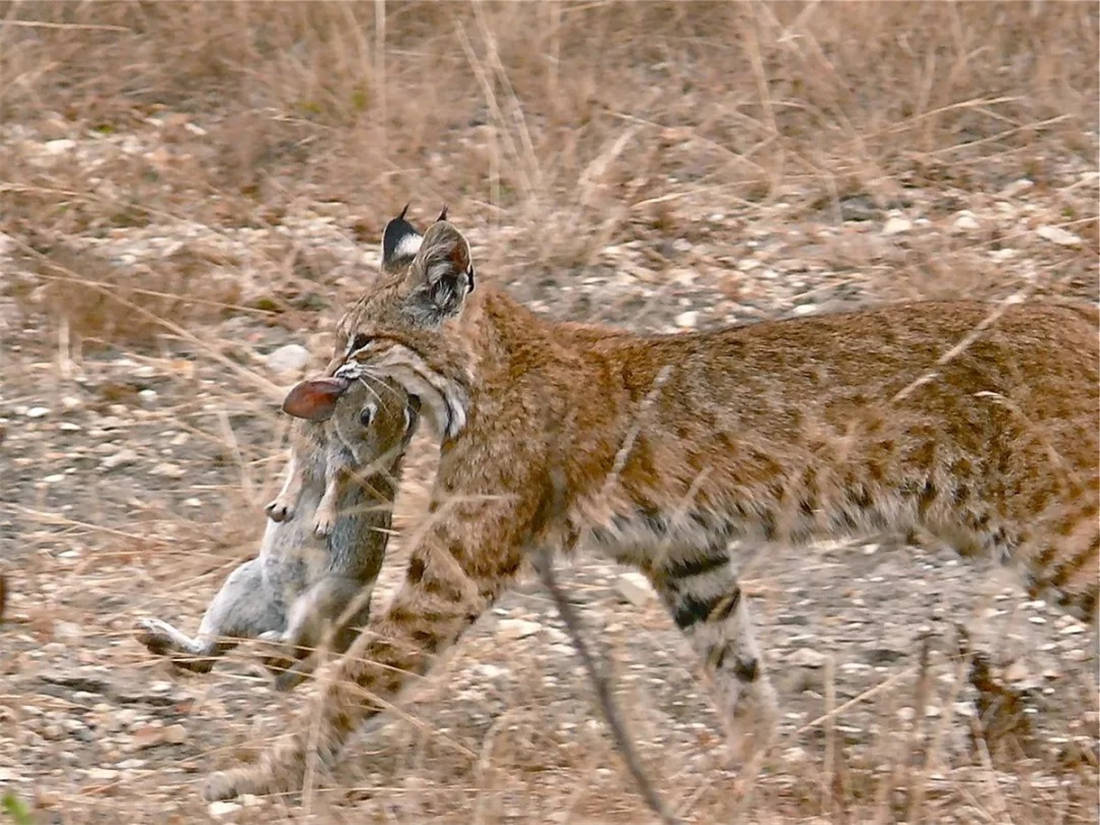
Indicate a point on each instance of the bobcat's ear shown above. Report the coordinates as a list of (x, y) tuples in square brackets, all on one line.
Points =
[(315, 399), (400, 243), (442, 273)]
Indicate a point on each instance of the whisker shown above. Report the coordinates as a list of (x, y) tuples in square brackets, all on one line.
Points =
[(363, 380)]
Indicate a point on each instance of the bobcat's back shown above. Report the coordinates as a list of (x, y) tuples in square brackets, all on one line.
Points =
[(976, 421)]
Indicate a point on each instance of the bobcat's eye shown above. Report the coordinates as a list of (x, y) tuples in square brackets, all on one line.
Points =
[(358, 342), (366, 416)]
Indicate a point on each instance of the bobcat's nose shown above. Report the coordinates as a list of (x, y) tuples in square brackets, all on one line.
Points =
[(349, 371)]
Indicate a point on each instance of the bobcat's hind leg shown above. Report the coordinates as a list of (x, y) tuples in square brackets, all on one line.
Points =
[(700, 590)]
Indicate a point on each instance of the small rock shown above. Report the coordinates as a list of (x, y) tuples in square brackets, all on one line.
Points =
[(69, 427), (517, 628), (687, 319), (896, 226), (634, 588), (487, 671), (123, 456), (965, 222), (805, 309), (287, 360), (38, 412), (59, 146), (148, 398), (1017, 187), (794, 754), (67, 631), (219, 810), (167, 470), (53, 731), (807, 657), (102, 774), (147, 736), (858, 208), (175, 734), (1054, 234)]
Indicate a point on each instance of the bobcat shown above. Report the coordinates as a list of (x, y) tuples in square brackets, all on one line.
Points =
[(306, 579), (976, 422)]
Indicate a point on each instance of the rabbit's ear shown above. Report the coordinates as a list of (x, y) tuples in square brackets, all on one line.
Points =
[(315, 399)]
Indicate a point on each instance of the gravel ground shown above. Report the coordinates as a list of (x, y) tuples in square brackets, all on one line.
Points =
[(134, 479)]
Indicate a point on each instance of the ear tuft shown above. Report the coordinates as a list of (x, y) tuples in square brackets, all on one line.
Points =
[(442, 214), (400, 243), (315, 399)]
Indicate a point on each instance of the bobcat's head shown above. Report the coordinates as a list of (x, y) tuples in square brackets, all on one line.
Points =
[(404, 329)]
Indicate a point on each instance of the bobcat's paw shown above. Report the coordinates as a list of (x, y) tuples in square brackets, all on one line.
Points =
[(256, 779), (279, 510), (752, 725)]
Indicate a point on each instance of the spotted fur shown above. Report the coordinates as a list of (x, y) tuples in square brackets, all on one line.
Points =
[(975, 422)]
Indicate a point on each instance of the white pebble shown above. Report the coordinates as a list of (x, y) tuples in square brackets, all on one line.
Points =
[(1055, 234), (966, 222), (895, 226), (687, 319), (290, 359), (222, 809), (123, 456), (59, 146)]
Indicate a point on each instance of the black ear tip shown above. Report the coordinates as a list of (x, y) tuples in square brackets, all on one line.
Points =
[(401, 216), (442, 214)]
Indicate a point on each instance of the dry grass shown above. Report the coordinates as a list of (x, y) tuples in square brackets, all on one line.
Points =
[(185, 185)]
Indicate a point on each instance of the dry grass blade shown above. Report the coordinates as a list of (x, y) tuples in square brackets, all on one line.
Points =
[(187, 188), (608, 706)]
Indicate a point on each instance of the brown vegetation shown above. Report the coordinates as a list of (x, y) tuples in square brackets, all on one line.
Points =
[(185, 186)]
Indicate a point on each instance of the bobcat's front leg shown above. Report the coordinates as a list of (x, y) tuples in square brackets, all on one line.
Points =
[(454, 575)]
